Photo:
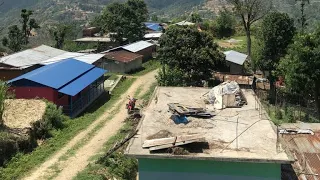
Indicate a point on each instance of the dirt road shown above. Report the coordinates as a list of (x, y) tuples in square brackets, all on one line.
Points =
[(71, 166)]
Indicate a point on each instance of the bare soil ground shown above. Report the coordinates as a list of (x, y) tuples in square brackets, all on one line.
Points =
[(70, 167), (20, 113)]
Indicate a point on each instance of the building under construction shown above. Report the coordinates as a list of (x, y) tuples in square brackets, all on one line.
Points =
[(183, 136)]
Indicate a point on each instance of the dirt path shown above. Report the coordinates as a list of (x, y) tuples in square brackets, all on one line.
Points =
[(71, 166)]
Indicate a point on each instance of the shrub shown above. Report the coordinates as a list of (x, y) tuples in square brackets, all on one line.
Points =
[(10, 144), (278, 113), (122, 166), (290, 115), (52, 119), (306, 117)]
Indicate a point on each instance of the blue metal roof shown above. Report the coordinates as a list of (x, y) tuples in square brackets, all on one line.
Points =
[(58, 74), (82, 82), (154, 26)]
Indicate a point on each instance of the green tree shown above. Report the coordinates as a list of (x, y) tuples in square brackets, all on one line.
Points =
[(14, 39), (125, 20), (224, 25), (27, 24), (303, 19), (196, 18), (301, 67), (250, 11), (277, 31), (154, 18), (189, 52), (59, 34), (3, 97)]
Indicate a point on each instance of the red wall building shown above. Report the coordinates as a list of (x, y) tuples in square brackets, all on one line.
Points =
[(72, 84)]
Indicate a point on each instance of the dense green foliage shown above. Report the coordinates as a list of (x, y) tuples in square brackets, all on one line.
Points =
[(3, 97), (52, 120), (224, 25), (14, 40), (301, 67), (122, 166), (276, 33), (190, 53), (59, 33), (125, 20), (196, 18), (11, 144)]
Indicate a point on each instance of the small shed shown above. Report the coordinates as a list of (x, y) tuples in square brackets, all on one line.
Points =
[(235, 61), (144, 48), (70, 83), (122, 61)]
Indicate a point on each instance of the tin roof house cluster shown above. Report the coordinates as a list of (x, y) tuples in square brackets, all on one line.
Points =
[(70, 80)]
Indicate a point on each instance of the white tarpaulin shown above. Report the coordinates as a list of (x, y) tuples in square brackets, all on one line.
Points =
[(225, 94)]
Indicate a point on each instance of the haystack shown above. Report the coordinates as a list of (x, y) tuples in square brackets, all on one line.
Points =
[(21, 113)]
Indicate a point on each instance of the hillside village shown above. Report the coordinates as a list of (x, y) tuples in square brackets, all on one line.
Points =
[(137, 97)]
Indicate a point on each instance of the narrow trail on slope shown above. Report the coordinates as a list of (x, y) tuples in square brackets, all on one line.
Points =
[(74, 164)]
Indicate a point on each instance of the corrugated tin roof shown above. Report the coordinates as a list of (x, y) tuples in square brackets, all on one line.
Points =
[(235, 57), (30, 57), (82, 82), (58, 74), (93, 39), (154, 26), (122, 56), (137, 46), (153, 35), (87, 58), (185, 23), (306, 150)]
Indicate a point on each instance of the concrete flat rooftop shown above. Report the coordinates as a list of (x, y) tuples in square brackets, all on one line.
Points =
[(257, 144)]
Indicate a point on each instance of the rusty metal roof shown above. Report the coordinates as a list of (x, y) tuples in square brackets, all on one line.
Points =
[(122, 56), (242, 80), (305, 148)]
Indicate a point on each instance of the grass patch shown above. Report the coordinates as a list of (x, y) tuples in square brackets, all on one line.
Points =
[(241, 46), (147, 96), (112, 76), (137, 93), (147, 67), (21, 164)]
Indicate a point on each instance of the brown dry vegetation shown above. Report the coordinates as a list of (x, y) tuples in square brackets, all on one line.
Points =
[(21, 113)]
